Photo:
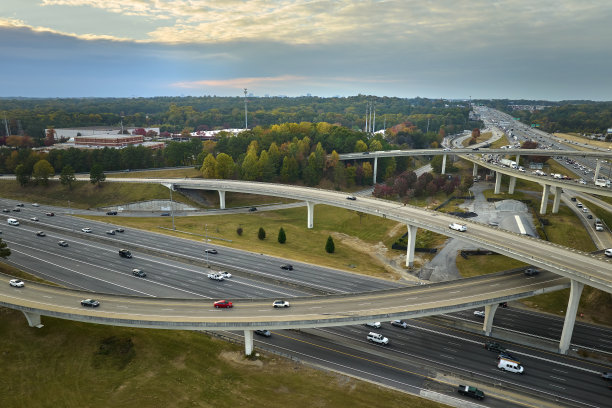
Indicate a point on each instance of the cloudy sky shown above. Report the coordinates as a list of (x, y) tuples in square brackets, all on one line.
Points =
[(542, 49)]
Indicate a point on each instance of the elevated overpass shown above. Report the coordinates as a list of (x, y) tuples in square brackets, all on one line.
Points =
[(581, 268)]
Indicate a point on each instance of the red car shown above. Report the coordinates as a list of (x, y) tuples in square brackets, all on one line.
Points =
[(223, 303)]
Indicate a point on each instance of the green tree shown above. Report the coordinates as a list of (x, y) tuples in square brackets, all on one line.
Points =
[(96, 175), (67, 176), (225, 166), (329, 246), (261, 234), (5, 252), (266, 167), (209, 165), (42, 171), (361, 146), (282, 238), (290, 171), (250, 166), (22, 174), (375, 145)]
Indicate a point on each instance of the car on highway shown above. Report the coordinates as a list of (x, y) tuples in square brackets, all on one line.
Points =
[(377, 338), (589, 216), (124, 253), (111, 213), (375, 325), (606, 375), (119, 229), (111, 232), (41, 234), (608, 252), (479, 313), (90, 303), (280, 303), (50, 214), (265, 333), (223, 304), (6, 210), (253, 209), (62, 243), (351, 197), (35, 205), (599, 227), (12, 221), (16, 283), (531, 272), (166, 214), (86, 230), (226, 275), (211, 251), (505, 355), (457, 227), (216, 276), (400, 323), (19, 205), (471, 392), (17, 209), (287, 267), (34, 219), (139, 272), (495, 347)]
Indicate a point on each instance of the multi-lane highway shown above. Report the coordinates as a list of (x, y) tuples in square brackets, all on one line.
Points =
[(427, 357)]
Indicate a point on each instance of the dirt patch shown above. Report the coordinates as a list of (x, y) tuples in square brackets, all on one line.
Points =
[(238, 358)]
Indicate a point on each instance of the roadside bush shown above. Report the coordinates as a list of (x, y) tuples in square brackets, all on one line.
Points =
[(329, 246), (282, 238), (261, 234)]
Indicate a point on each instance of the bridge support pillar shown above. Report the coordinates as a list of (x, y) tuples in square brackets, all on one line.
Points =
[(544, 202), (597, 168), (33, 319), (248, 342), (310, 206), (443, 164), (375, 170), (488, 321), (512, 185), (557, 200), (222, 199), (570, 316), (498, 177), (412, 231), (475, 170), (518, 156)]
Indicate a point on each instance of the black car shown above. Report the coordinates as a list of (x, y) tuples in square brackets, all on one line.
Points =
[(20, 205), (265, 333), (124, 253), (50, 214), (606, 375), (211, 251), (165, 214), (531, 271), (111, 213), (505, 355), (6, 210), (119, 230), (493, 346), (589, 216), (253, 209), (90, 303), (17, 209), (287, 267)]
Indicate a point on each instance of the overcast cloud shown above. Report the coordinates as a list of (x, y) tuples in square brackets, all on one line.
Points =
[(445, 48)]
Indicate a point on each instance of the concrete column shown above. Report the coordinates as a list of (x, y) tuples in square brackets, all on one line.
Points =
[(597, 168), (557, 200), (375, 169), (570, 316), (33, 319), (498, 177), (443, 164), (248, 342), (544, 202), (222, 199), (488, 321), (518, 156), (512, 185), (412, 231), (475, 170), (310, 206)]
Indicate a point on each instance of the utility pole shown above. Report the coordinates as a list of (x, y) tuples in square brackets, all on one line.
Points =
[(374, 123), (172, 207), (366, 124), (246, 126)]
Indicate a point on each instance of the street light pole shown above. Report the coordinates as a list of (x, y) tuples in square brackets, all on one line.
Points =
[(206, 243), (172, 208), (246, 126)]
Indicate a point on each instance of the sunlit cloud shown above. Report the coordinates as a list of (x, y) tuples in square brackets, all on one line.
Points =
[(19, 24), (239, 82)]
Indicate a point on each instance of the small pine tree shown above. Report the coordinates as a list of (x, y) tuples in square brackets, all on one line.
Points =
[(282, 238), (261, 234), (329, 246)]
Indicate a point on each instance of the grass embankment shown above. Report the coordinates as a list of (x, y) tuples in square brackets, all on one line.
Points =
[(165, 173), (86, 195), (88, 365), (579, 139), (502, 141), (354, 246), (482, 138), (598, 212)]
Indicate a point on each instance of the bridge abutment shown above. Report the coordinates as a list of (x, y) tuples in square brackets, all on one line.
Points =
[(248, 342), (570, 316), (375, 170), (475, 170), (310, 206), (498, 178), (222, 199), (557, 200), (443, 164), (544, 203), (512, 185), (33, 319), (410, 244), (487, 326)]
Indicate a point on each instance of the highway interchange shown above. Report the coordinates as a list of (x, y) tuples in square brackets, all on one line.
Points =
[(426, 356)]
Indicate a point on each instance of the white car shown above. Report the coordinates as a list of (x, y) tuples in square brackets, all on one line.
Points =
[(34, 218), (479, 313), (35, 205), (215, 276), (18, 283), (86, 229), (280, 303), (226, 275), (377, 338), (608, 252), (457, 227), (375, 325)]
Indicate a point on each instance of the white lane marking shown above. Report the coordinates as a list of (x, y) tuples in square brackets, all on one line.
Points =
[(559, 371), (447, 356), (557, 386), (48, 297), (317, 307), (365, 304), (558, 378), (167, 310), (455, 291)]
